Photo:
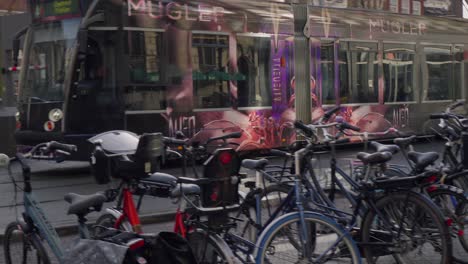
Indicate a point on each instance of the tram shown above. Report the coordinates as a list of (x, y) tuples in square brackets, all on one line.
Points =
[(209, 67)]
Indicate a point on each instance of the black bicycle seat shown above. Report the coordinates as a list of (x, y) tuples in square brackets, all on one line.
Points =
[(82, 205), (403, 143), (374, 158), (160, 178), (254, 164), (226, 136), (186, 189), (422, 160), (383, 148)]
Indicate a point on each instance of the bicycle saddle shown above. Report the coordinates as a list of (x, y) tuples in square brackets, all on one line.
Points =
[(374, 158), (186, 189), (422, 160), (383, 147), (403, 143), (82, 205), (160, 178), (254, 164)]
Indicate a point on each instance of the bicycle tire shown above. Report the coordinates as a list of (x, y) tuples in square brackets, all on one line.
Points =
[(390, 208), (454, 205), (209, 248), (29, 243), (345, 246), (271, 197), (108, 220)]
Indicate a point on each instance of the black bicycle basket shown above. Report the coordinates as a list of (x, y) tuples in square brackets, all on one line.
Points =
[(138, 164), (223, 168)]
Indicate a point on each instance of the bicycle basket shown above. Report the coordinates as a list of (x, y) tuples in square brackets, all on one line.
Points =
[(132, 164), (223, 168)]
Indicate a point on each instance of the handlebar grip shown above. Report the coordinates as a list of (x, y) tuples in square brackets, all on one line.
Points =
[(330, 112), (278, 153), (456, 105), (451, 131), (345, 125), (174, 141), (54, 145), (299, 125), (342, 141), (439, 116)]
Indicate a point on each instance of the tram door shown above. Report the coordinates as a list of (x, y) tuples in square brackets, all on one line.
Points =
[(93, 105)]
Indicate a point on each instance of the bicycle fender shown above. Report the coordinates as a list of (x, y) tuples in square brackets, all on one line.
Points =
[(117, 214)]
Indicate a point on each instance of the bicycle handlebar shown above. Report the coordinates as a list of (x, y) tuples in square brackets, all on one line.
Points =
[(345, 125), (455, 105), (175, 141), (330, 112), (439, 116), (54, 145)]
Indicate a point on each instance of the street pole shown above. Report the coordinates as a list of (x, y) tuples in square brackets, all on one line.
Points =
[(303, 103), (5, 58)]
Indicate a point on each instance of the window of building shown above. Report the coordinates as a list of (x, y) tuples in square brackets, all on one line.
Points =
[(405, 6), (210, 71), (143, 90), (394, 6), (399, 72), (253, 65), (438, 73), (417, 8)]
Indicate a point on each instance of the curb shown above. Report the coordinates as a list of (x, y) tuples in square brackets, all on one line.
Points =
[(66, 230)]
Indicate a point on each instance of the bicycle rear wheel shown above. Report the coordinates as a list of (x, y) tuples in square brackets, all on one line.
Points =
[(271, 198), (406, 228), (22, 249), (454, 205), (282, 241), (209, 248)]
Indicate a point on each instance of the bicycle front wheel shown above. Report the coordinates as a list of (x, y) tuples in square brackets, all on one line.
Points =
[(22, 249), (312, 239), (406, 227), (209, 248)]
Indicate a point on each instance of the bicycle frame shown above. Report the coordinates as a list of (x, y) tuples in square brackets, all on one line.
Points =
[(129, 212)]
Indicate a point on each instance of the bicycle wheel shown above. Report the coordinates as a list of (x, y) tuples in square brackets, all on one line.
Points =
[(406, 227), (454, 205), (21, 249), (108, 220), (271, 198), (209, 248), (281, 241)]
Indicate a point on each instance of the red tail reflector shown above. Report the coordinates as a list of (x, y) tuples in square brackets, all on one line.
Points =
[(225, 158), (461, 232), (136, 244), (449, 221), (432, 188)]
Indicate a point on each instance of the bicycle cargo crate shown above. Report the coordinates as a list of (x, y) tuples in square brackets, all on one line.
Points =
[(223, 168), (108, 163)]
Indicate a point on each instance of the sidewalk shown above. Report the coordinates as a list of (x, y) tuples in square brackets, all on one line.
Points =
[(51, 181)]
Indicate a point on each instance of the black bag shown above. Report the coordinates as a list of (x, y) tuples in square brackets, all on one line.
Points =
[(171, 248)]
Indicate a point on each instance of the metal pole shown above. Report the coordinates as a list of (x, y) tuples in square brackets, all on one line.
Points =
[(303, 103)]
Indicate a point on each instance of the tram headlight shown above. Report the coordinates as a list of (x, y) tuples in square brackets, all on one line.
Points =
[(55, 115)]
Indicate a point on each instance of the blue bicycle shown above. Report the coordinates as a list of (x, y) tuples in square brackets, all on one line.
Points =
[(23, 240)]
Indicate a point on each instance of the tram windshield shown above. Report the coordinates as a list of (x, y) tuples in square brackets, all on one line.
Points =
[(48, 60)]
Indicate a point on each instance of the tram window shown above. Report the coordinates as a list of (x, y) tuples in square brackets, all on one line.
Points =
[(143, 91), (344, 70), (253, 62), (398, 71), (327, 67), (460, 71), (144, 50), (364, 68), (439, 70), (210, 70)]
